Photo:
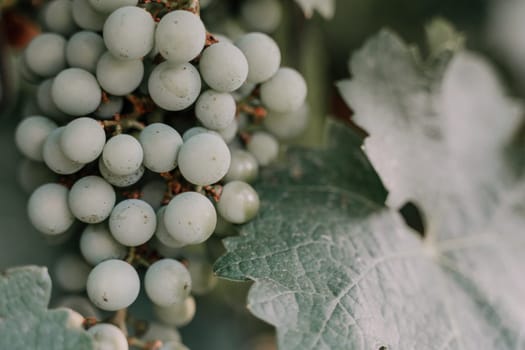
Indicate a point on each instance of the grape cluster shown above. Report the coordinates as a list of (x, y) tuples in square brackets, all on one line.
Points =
[(107, 150)]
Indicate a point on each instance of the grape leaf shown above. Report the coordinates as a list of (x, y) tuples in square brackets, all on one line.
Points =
[(335, 269), (25, 321), (325, 7)]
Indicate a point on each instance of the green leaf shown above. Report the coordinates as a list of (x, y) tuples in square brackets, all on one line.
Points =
[(25, 321), (333, 269), (325, 7)]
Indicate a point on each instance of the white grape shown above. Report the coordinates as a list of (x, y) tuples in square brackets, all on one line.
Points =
[(91, 199), (161, 144), (86, 17), (263, 56), (46, 54), (122, 155), (132, 222), (153, 193), (76, 92), (239, 202), (97, 244), (113, 285), (84, 49), (120, 180), (228, 133), (177, 315), (264, 147), (285, 92), (48, 209), (26, 73), (57, 17), (83, 140), (31, 134), (180, 36), (243, 167), (119, 77), (195, 131), (55, 158), (108, 337), (32, 175), (223, 67), (45, 101), (174, 87), (286, 126), (190, 218), (108, 6), (71, 272), (162, 234), (167, 282), (215, 110), (107, 109), (262, 15), (129, 33), (204, 159)]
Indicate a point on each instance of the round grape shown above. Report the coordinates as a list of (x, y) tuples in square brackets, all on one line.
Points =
[(80, 304), (159, 331), (223, 67), (48, 209), (263, 56), (57, 17), (84, 49), (119, 180), (243, 167), (161, 144), (285, 92), (55, 158), (264, 147), (83, 140), (177, 315), (195, 131), (180, 36), (162, 233), (107, 336), (286, 126), (31, 134), (119, 77), (91, 199), (190, 218), (97, 244), (204, 159), (167, 282), (174, 87), (113, 285), (86, 17), (122, 155), (215, 110), (132, 222), (228, 134), (129, 33), (46, 54), (239, 202), (76, 92), (202, 278), (153, 193)]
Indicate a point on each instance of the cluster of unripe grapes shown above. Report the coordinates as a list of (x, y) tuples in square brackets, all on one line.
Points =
[(112, 76)]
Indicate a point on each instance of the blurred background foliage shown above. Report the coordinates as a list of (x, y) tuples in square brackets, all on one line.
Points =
[(319, 47)]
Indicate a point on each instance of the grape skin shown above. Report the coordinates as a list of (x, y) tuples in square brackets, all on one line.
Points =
[(97, 244), (48, 209), (113, 285), (161, 144), (119, 77), (264, 148), (57, 17), (239, 202), (108, 336), (76, 92), (132, 222), (215, 110), (177, 315), (86, 17), (55, 158), (120, 180), (223, 67), (91, 199), (122, 155), (46, 54), (31, 134), (167, 282), (71, 272), (285, 92), (84, 49), (263, 56), (83, 140)]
